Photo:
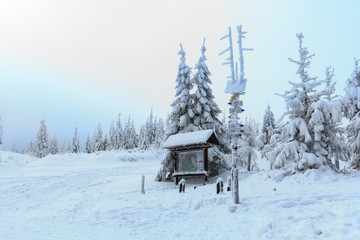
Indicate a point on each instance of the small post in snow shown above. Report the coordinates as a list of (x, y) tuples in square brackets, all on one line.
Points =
[(182, 186), (229, 183), (219, 185), (143, 184)]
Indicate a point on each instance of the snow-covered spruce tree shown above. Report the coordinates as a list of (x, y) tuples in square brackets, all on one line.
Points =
[(205, 108), (248, 143), (301, 145), (88, 148), (143, 138), (150, 129), (351, 107), (97, 141), (106, 143), (42, 142), (182, 113), (119, 134), (207, 111), (53, 148), (181, 117), (130, 136), (268, 127), (75, 143), (159, 133), (112, 136), (332, 134)]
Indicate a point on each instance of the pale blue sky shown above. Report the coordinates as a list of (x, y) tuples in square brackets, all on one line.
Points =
[(81, 62)]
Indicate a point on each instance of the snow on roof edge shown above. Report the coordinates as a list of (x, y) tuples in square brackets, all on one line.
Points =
[(183, 139)]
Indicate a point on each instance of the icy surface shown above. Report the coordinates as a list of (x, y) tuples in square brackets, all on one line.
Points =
[(98, 196), (189, 138)]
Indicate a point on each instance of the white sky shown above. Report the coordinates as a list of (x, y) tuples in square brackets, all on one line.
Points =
[(81, 62)]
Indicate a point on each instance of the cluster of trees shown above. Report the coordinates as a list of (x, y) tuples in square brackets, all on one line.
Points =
[(308, 135), (194, 109), (312, 136), (151, 135)]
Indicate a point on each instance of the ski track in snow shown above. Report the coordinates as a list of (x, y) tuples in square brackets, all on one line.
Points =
[(72, 197)]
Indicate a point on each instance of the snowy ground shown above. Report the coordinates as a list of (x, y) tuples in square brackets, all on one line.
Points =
[(98, 197)]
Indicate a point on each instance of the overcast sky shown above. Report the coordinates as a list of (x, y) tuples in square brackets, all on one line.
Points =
[(77, 63)]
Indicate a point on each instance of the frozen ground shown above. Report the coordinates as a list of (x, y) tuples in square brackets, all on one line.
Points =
[(97, 196)]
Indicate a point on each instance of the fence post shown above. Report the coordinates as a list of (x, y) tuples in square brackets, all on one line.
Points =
[(182, 186), (143, 184)]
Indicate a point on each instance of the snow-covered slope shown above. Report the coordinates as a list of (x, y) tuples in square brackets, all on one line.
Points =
[(97, 196)]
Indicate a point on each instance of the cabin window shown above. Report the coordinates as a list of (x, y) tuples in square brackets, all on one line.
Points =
[(191, 161)]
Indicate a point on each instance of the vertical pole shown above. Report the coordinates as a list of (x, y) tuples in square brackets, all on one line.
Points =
[(236, 186), (231, 58), (143, 184), (241, 56)]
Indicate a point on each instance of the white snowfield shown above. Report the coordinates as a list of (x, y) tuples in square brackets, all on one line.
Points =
[(98, 196)]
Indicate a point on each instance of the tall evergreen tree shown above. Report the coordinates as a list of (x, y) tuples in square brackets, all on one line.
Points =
[(159, 133), (97, 141), (106, 143), (42, 143), (182, 112), (206, 110), (75, 143), (130, 136), (302, 144), (143, 138), (119, 134), (88, 147), (351, 106), (150, 129), (112, 136), (332, 134), (53, 148), (268, 127)]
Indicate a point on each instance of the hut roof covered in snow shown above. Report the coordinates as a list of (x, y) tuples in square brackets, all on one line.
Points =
[(191, 138)]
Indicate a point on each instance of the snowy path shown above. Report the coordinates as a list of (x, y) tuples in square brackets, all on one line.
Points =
[(77, 197)]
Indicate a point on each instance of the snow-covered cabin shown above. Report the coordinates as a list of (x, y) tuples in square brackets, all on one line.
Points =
[(191, 153)]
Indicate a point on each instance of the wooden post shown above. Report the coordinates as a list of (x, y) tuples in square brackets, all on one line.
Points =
[(182, 186), (219, 185), (143, 184), (229, 183)]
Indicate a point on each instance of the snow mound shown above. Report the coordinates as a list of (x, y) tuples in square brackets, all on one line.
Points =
[(15, 159)]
